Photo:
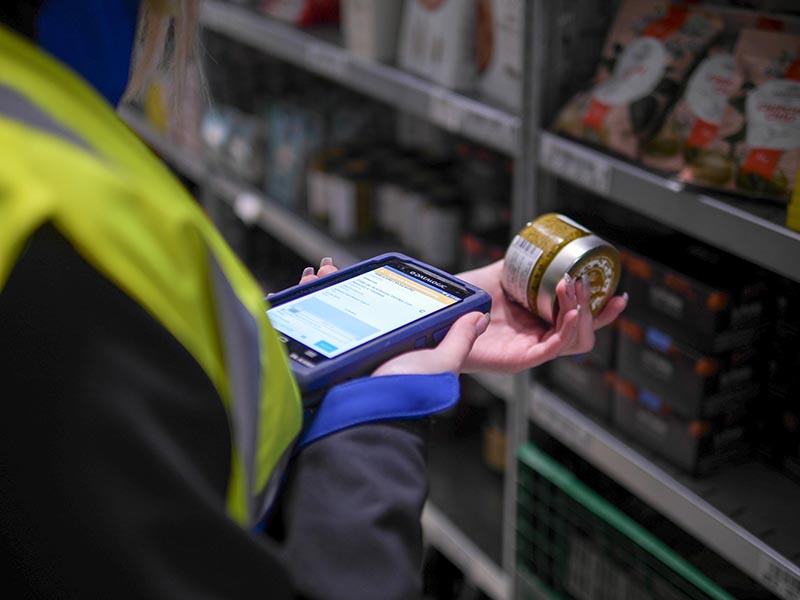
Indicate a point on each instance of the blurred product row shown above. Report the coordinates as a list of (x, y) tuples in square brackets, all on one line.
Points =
[(351, 165), (697, 91)]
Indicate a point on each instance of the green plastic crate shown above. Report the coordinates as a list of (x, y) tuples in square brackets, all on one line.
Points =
[(580, 547)]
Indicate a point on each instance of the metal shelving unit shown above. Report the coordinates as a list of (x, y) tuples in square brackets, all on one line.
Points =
[(759, 535), (323, 54), (746, 513), (461, 551)]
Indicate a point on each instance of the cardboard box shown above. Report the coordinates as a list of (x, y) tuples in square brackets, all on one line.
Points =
[(437, 41), (370, 27), (500, 47)]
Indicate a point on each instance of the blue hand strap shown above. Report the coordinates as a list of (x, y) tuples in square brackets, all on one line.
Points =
[(373, 399)]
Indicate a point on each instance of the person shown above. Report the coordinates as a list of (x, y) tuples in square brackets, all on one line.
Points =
[(150, 418)]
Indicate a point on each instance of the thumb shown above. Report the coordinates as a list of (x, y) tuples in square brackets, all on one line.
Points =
[(457, 344), (449, 355)]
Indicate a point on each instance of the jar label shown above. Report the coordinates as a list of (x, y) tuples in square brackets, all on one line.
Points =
[(572, 223), (600, 271), (521, 259)]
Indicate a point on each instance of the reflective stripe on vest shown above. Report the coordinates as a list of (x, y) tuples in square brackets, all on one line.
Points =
[(127, 216)]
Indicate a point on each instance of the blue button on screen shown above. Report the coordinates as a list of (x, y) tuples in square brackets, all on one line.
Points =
[(327, 347)]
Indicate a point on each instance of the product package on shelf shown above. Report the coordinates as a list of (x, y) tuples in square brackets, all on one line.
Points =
[(499, 55), (371, 27), (437, 41), (648, 52), (686, 144), (297, 131), (695, 445), (234, 142), (484, 178), (695, 295), (752, 145), (406, 194), (293, 136), (690, 383), (302, 13), (586, 378)]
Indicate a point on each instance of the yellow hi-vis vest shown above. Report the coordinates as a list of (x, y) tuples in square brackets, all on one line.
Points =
[(67, 159)]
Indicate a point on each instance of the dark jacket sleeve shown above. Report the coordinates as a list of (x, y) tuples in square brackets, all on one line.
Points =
[(350, 513)]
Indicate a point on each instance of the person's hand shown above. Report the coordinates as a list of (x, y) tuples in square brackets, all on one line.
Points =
[(449, 355), (517, 340), (326, 267)]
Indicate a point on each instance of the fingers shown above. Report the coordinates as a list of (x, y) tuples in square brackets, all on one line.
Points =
[(326, 267), (611, 311), (308, 275), (449, 355), (559, 341), (567, 298), (585, 327)]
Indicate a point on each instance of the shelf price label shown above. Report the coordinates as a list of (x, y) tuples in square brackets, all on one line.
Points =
[(777, 578), (445, 110), (327, 60), (559, 424), (501, 133), (578, 165)]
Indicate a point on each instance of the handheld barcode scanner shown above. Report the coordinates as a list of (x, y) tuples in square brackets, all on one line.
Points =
[(346, 324)]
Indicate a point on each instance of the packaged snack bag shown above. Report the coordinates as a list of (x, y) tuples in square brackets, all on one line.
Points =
[(697, 119), (737, 127), (703, 114), (302, 13), (648, 52), (767, 147)]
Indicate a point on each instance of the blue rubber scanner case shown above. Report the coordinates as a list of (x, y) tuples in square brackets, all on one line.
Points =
[(348, 323)]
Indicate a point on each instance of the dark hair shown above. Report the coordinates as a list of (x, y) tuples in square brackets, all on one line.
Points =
[(21, 16)]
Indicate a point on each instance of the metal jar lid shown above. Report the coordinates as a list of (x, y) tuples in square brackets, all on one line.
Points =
[(567, 259)]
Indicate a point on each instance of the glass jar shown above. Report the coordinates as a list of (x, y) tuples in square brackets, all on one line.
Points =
[(547, 249)]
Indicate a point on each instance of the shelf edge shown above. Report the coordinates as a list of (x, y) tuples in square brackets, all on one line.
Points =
[(646, 480), (440, 532)]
